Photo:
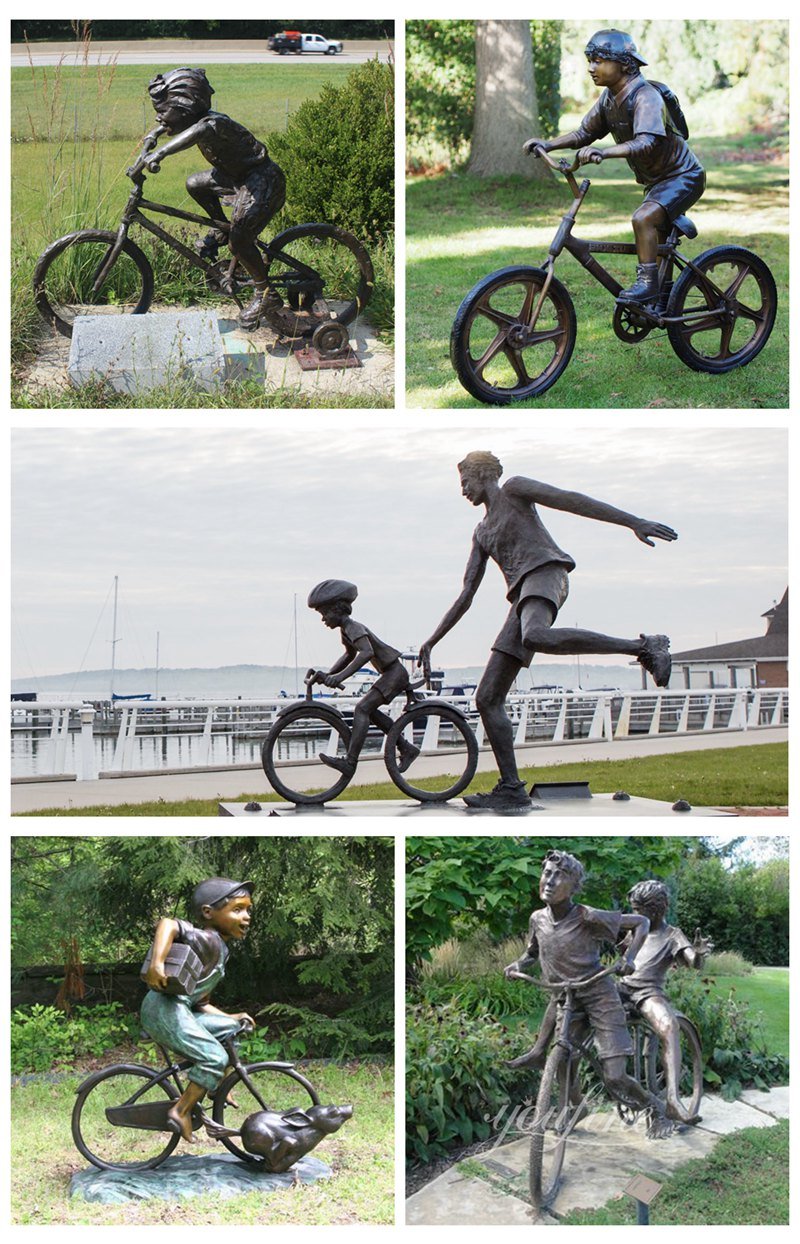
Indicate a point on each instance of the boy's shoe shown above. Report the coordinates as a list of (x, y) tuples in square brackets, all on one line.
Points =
[(505, 795), (407, 753), (655, 658), (645, 287), (345, 766)]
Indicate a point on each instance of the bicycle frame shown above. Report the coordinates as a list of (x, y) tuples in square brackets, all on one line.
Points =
[(584, 250)]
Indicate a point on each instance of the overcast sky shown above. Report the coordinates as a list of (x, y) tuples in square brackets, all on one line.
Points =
[(212, 534)]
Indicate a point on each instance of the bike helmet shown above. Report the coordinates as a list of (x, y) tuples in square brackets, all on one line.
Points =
[(614, 45), (185, 88), (329, 590)]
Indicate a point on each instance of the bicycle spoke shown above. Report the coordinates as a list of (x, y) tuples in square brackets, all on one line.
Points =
[(709, 324), (725, 344), (515, 359), (527, 306), (547, 334), (490, 352), (497, 317), (750, 313), (738, 281)]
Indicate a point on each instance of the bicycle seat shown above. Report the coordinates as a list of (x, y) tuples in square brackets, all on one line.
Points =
[(685, 226)]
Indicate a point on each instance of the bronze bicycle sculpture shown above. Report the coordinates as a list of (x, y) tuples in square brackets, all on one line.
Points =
[(515, 331), (319, 276)]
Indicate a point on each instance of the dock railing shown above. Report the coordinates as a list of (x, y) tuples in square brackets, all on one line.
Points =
[(67, 733)]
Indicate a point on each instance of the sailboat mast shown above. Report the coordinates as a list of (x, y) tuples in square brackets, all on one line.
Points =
[(114, 639), (158, 640), (296, 684)]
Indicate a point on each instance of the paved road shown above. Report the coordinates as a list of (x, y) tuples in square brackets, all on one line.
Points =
[(232, 783), (188, 52)]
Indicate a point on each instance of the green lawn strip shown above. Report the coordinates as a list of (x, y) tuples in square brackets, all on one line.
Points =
[(461, 228), (743, 1181), (754, 776), (361, 1156), (766, 990)]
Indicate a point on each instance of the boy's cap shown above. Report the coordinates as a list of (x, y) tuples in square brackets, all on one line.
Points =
[(215, 889), (612, 44), (329, 590)]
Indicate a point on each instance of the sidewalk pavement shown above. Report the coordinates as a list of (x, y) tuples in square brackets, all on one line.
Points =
[(602, 1156)]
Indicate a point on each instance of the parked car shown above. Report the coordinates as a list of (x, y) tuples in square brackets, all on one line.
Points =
[(296, 42)]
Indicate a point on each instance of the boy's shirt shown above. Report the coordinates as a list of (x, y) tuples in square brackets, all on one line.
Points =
[(626, 118), (229, 147), (383, 655), (569, 949), (661, 948)]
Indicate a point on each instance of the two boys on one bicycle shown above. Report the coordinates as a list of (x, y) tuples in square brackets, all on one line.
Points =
[(566, 938), (649, 132), (242, 173)]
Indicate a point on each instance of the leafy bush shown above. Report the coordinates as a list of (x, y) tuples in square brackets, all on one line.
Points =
[(728, 963), (734, 1050), (487, 995), (456, 1078), (338, 154), (43, 1036)]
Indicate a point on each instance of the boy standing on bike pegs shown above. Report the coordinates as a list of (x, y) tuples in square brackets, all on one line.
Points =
[(648, 127), (566, 938), (643, 989), (333, 600), (241, 173), (190, 1024)]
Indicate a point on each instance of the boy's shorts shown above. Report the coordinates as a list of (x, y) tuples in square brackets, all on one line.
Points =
[(391, 682), (600, 1004), (256, 199), (550, 582), (677, 194)]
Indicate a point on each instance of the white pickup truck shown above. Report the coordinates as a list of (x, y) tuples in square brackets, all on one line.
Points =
[(296, 42)]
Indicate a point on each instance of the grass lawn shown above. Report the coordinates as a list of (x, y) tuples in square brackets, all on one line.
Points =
[(728, 777), (767, 992), (361, 1156), (460, 228), (744, 1180)]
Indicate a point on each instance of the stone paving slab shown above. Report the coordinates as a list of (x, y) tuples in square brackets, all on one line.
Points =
[(775, 1100), (601, 1157), (190, 1175), (133, 353)]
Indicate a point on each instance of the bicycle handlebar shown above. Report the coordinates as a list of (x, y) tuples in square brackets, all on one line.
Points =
[(313, 676), (558, 166), (590, 980)]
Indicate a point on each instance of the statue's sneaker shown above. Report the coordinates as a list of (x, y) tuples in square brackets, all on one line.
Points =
[(655, 658), (407, 753), (341, 763), (506, 795)]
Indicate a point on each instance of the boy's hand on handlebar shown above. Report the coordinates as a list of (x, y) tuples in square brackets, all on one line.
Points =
[(329, 680), (512, 972), (152, 163), (590, 155), (535, 147), (247, 1021)]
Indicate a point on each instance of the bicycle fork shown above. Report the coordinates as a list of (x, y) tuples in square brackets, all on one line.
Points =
[(558, 244)]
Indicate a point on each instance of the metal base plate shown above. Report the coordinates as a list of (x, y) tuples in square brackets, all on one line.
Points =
[(311, 360), (596, 805)]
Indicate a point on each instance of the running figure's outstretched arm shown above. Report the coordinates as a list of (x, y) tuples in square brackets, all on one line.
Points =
[(537, 493), (473, 575)]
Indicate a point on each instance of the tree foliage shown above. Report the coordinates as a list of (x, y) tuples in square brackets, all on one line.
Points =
[(744, 909), (338, 154), (440, 81), (188, 28)]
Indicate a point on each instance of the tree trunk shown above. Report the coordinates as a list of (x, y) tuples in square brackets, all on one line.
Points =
[(506, 110)]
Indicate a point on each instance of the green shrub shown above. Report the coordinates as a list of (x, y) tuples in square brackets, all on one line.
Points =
[(43, 1036), (456, 1079), (734, 1050), (727, 963), (487, 995), (338, 154)]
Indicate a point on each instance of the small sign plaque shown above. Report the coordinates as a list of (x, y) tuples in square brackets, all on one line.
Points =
[(643, 1189)]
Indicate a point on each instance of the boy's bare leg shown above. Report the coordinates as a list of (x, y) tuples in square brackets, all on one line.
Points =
[(649, 224), (181, 1112), (629, 1091), (661, 1018)]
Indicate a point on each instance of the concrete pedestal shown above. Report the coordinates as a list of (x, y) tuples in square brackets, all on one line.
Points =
[(595, 805), (134, 353)]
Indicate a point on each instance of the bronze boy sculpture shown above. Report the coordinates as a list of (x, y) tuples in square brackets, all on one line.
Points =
[(649, 134), (664, 946), (333, 599), (189, 1023), (566, 937), (536, 571), (242, 173)]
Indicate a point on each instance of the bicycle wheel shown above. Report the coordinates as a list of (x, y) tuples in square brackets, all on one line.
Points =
[(272, 1086), (321, 272), (740, 317), (495, 357), (66, 274), (120, 1146), (552, 1124), (441, 734), (300, 734), (690, 1084)]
